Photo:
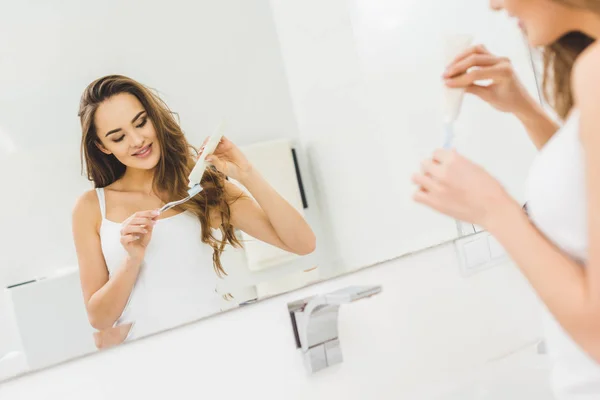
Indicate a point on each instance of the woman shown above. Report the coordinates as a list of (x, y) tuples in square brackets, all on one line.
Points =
[(558, 246), (154, 271)]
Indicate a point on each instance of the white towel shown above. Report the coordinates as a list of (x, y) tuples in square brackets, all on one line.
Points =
[(275, 163)]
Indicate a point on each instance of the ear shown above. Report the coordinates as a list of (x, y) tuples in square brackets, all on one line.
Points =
[(102, 148)]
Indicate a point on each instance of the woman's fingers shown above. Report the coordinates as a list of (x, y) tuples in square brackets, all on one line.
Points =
[(141, 221), (424, 197), (147, 218), (432, 168), (151, 214), (133, 229), (126, 239), (473, 60), (495, 73), (426, 183)]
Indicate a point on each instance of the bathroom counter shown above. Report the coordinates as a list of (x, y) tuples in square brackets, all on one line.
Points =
[(521, 375)]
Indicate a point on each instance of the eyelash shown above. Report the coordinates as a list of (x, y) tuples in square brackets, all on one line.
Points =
[(141, 125), (144, 120)]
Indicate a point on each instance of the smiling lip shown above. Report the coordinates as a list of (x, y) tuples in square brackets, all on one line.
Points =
[(144, 152)]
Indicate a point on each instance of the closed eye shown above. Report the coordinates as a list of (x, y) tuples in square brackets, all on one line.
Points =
[(144, 120)]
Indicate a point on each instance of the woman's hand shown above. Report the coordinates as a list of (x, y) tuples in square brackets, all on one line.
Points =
[(453, 185), (229, 160), (136, 233), (505, 93), (110, 337)]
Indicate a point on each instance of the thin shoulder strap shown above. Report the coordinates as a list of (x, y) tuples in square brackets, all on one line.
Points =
[(102, 201)]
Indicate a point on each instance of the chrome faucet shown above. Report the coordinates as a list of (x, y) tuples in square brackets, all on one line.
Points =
[(315, 324)]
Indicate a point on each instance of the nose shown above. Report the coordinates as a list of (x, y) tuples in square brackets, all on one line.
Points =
[(497, 5), (137, 140)]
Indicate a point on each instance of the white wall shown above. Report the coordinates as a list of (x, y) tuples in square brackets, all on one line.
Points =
[(427, 324)]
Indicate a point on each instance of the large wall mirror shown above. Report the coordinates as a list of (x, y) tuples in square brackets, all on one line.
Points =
[(333, 105)]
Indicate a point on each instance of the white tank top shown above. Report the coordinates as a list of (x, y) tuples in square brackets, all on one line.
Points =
[(556, 203), (176, 283)]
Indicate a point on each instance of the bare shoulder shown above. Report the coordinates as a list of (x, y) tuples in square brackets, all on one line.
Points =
[(586, 76), (87, 208)]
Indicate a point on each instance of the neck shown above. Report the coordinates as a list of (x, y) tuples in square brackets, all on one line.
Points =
[(139, 180)]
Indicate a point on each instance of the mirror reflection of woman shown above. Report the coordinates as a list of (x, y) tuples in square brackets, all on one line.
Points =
[(157, 271), (556, 246)]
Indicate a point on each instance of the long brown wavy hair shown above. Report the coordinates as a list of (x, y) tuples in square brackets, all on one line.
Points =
[(177, 159), (559, 58)]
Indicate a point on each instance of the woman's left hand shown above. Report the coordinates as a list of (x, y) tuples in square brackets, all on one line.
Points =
[(229, 160), (453, 185)]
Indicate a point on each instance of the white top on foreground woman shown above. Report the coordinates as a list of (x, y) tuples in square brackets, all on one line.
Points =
[(558, 246)]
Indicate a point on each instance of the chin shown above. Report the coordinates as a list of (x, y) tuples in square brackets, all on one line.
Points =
[(146, 167), (145, 164)]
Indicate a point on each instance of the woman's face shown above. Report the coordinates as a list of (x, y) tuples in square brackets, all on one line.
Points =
[(124, 130), (544, 21)]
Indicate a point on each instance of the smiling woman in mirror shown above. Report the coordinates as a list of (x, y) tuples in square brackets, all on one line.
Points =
[(152, 271)]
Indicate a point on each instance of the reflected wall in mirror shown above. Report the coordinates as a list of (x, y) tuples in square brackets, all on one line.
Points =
[(333, 118)]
